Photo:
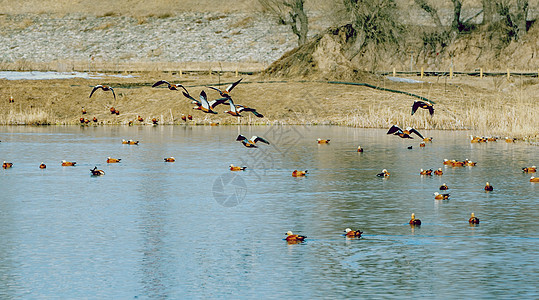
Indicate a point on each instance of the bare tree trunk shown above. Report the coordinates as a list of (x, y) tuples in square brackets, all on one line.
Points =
[(456, 25), (290, 12), (488, 11), (520, 17), (431, 11)]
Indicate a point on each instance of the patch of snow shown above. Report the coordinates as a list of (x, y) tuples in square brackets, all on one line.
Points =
[(38, 75), (406, 80)]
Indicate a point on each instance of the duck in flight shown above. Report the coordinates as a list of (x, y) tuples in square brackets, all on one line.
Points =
[(172, 87), (212, 104), (226, 92), (405, 134), (251, 143), (104, 88), (422, 104)]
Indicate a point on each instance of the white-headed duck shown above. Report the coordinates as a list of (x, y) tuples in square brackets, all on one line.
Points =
[(414, 221), (384, 173), (439, 196), (425, 172), (473, 219), (294, 238), (469, 163), (353, 233), (534, 179), (359, 149)]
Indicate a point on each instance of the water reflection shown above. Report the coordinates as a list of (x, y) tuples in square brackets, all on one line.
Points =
[(151, 229)]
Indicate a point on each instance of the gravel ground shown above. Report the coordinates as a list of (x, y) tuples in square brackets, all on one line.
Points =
[(191, 37)]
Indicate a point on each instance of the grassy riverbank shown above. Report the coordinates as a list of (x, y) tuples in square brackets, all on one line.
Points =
[(487, 106)]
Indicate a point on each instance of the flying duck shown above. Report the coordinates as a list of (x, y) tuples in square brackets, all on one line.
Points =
[(251, 143), (226, 92), (242, 108), (172, 87), (422, 104), (104, 88), (405, 134)]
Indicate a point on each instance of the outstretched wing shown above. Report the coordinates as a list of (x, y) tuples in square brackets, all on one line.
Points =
[(415, 106), (431, 110), (204, 100), (216, 102), (113, 94), (160, 82), (241, 138), (186, 94), (232, 106), (412, 130), (216, 89), (255, 139), (95, 88), (394, 129), (230, 87)]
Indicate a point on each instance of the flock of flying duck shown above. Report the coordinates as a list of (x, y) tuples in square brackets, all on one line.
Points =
[(236, 109)]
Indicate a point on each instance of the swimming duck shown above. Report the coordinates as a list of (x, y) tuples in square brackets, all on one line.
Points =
[(448, 162), (469, 163), (68, 163), (104, 88), (414, 221), (492, 139), (422, 104), (359, 149), (140, 119), (124, 141), (534, 179), (113, 160), (531, 169), (457, 163), (42, 166), (405, 134), (297, 173), (251, 143), (488, 187), (425, 172), (384, 173), (294, 238), (422, 144), (443, 187), (7, 165), (236, 168), (439, 196), (473, 219), (353, 233), (510, 140), (226, 92), (169, 159), (172, 87), (130, 142), (321, 141), (96, 172), (438, 172)]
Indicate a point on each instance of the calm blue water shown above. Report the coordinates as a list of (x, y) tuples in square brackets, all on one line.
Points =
[(193, 229)]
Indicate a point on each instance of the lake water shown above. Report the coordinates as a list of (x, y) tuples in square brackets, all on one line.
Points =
[(193, 229)]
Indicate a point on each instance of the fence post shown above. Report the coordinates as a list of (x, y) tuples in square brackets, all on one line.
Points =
[(395, 73), (508, 74), (450, 72), (181, 73), (481, 73), (422, 72)]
